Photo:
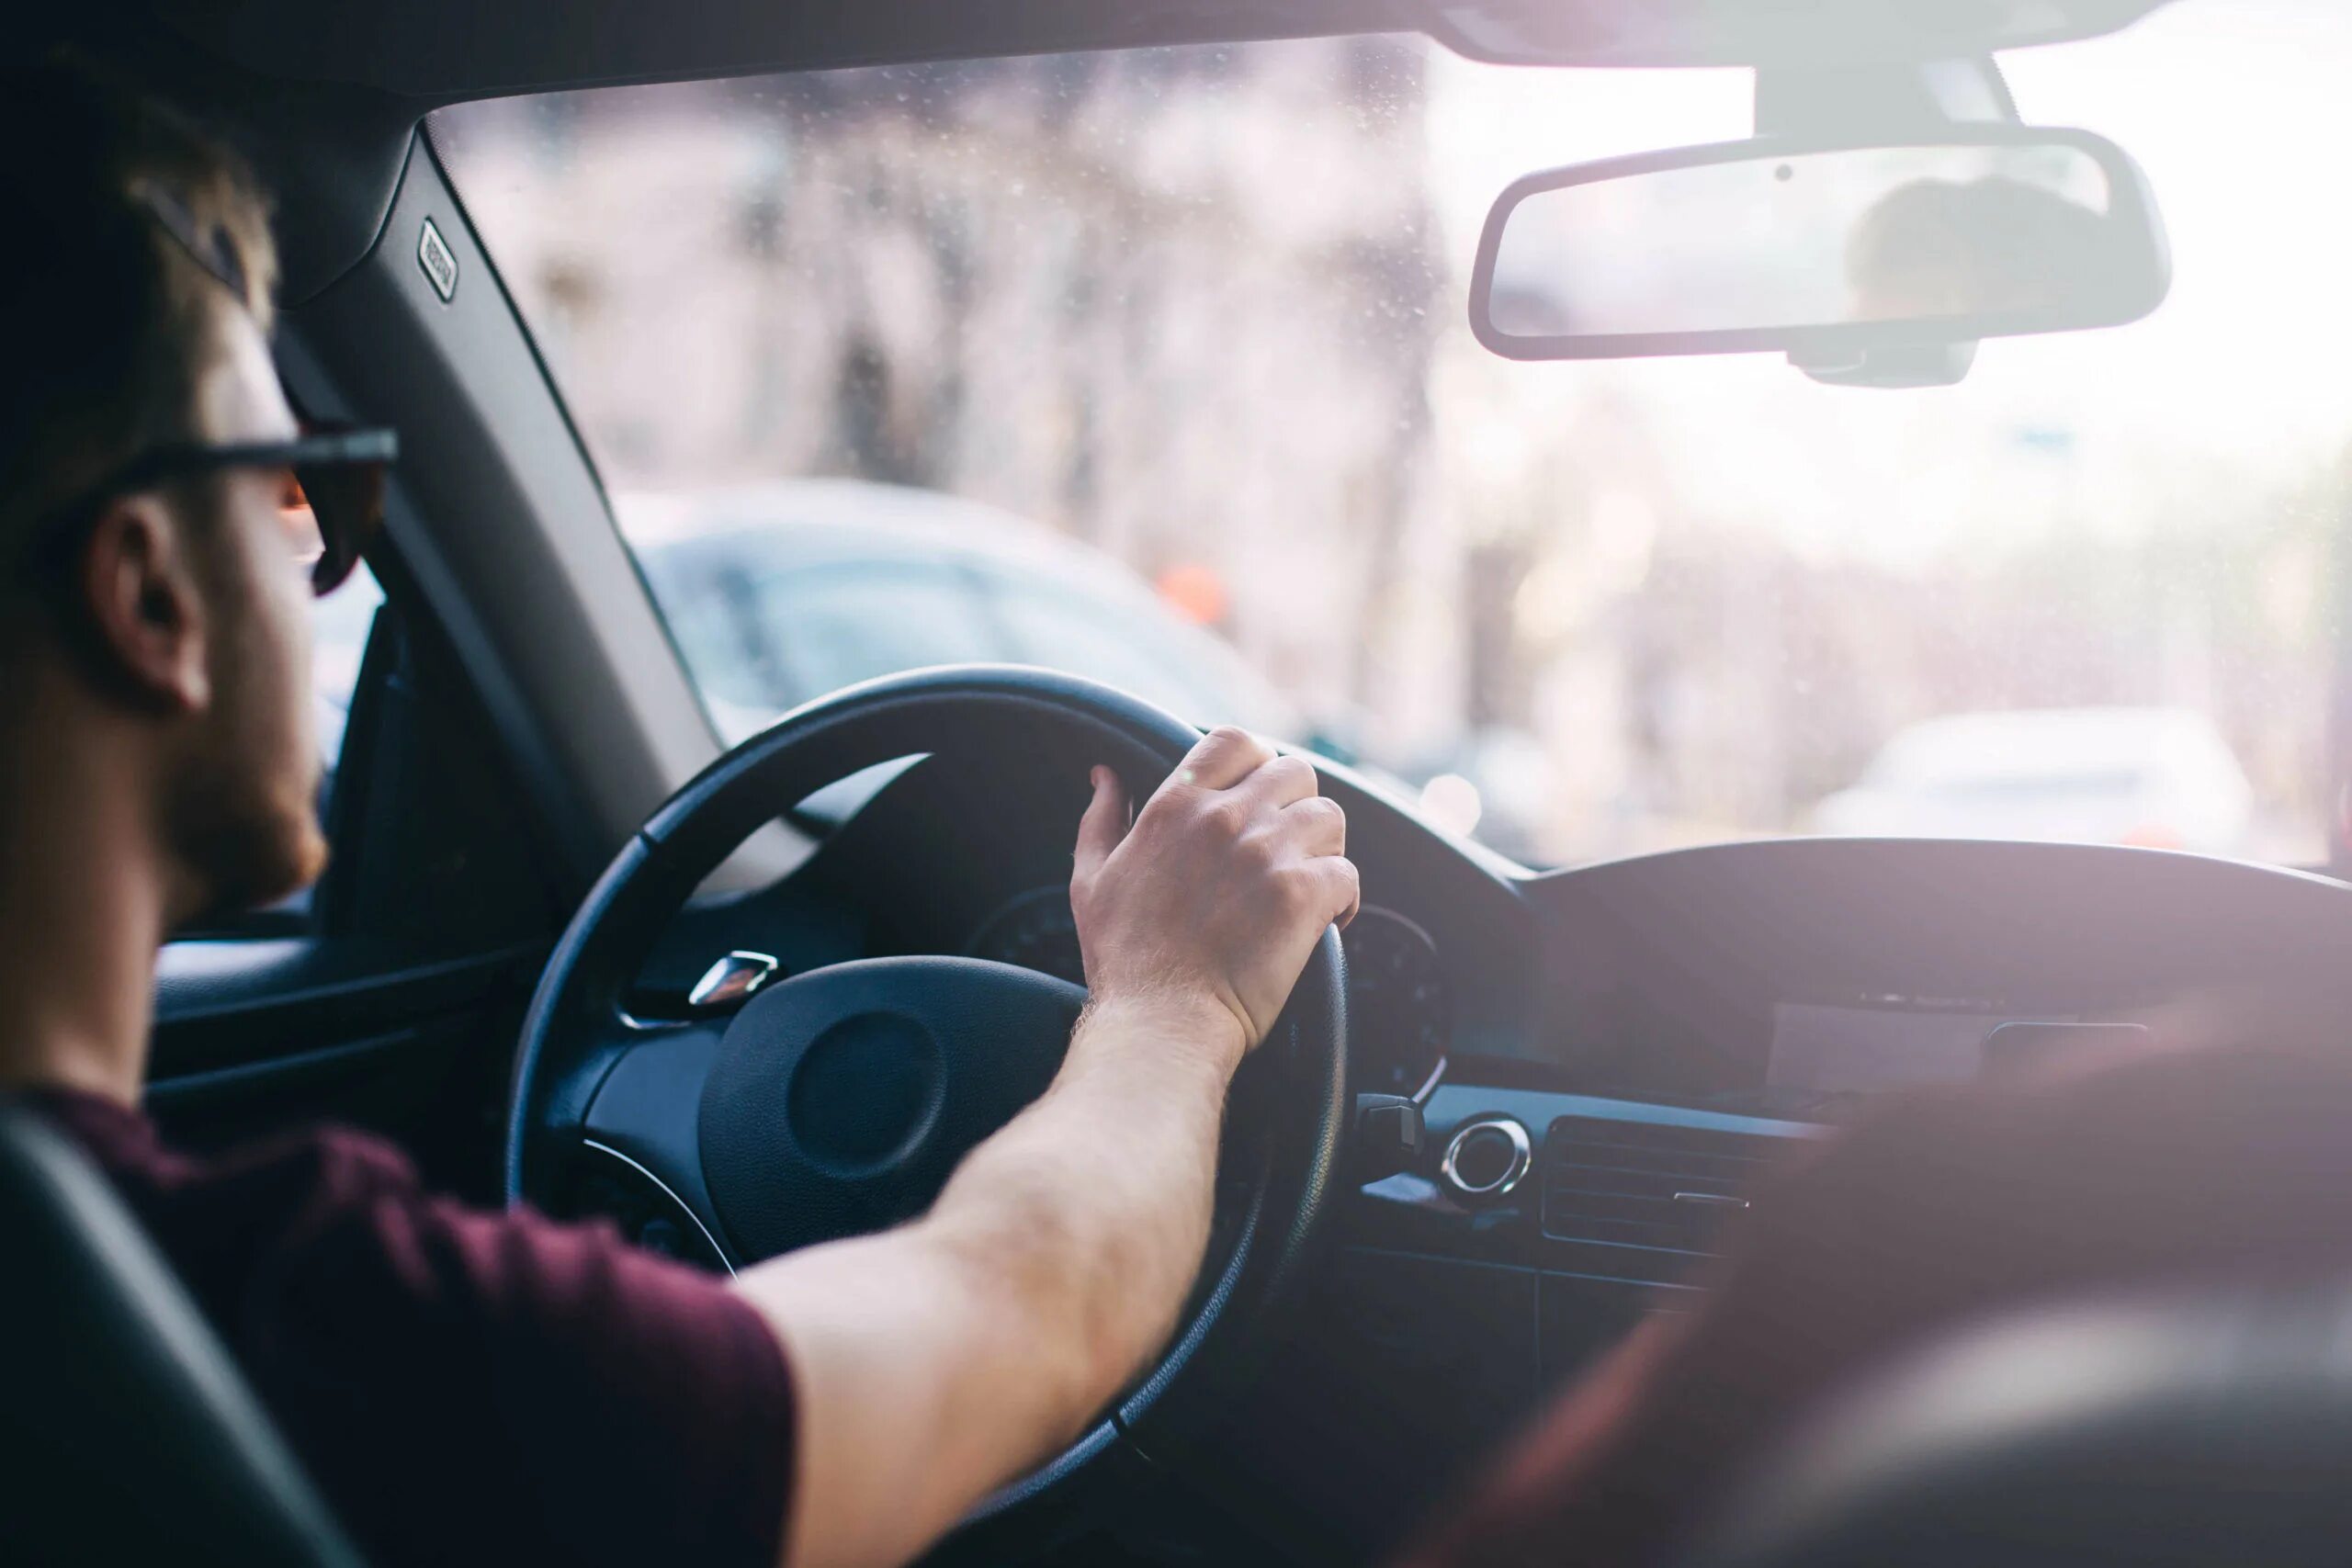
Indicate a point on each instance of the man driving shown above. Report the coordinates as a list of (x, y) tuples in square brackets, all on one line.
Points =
[(467, 1386), (471, 1386)]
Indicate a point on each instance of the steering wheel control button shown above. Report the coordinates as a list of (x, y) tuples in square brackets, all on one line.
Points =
[(730, 981), (1487, 1158)]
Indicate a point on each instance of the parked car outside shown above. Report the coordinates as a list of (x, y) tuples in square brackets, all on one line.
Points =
[(781, 593), (2158, 777)]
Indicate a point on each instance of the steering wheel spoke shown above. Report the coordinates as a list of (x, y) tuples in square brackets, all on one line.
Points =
[(644, 1114)]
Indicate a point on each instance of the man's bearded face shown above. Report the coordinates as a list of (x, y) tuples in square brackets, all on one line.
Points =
[(241, 800)]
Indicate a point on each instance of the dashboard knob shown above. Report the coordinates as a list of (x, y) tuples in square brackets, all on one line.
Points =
[(1487, 1156)]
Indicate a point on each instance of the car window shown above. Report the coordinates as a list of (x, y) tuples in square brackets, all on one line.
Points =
[(339, 624), (1201, 313)]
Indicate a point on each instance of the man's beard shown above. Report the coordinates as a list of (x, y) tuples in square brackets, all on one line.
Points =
[(248, 840), (242, 814)]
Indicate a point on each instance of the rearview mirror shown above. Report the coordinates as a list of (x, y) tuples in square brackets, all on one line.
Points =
[(1821, 250)]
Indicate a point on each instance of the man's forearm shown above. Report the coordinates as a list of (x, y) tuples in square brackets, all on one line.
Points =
[(1089, 1212), (941, 1360)]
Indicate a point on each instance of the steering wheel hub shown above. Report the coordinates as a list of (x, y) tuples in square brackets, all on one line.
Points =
[(842, 1099), (864, 1092)]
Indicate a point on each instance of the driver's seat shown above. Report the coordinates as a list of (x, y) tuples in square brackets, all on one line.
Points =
[(127, 1432)]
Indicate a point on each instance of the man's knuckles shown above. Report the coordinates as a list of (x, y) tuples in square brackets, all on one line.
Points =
[(1314, 891), (1318, 806), (1231, 742), (1262, 850), (1318, 820), (1301, 892), (1230, 818), (1286, 779), (1223, 757), (1349, 881)]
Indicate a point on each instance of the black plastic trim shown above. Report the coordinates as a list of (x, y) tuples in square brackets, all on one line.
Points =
[(225, 1005), (191, 1089)]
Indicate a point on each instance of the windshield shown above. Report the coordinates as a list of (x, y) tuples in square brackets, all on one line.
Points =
[(1197, 316)]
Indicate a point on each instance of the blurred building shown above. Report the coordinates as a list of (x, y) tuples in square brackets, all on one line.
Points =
[(1178, 303)]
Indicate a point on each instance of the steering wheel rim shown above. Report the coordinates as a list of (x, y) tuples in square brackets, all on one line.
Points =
[(1288, 1118)]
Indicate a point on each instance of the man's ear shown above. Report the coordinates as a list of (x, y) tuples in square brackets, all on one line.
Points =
[(144, 611)]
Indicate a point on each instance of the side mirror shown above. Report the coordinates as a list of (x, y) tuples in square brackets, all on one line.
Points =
[(1828, 251)]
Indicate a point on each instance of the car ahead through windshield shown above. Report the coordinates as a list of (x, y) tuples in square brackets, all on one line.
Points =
[(781, 593)]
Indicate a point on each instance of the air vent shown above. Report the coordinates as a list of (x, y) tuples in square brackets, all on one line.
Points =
[(1648, 1183)]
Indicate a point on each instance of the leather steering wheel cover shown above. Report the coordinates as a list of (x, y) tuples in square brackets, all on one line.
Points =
[(1300, 1077)]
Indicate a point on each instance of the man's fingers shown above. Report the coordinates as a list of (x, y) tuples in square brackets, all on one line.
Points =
[(1317, 825), (1280, 781), (1105, 824), (1335, 880), (1224, 757)]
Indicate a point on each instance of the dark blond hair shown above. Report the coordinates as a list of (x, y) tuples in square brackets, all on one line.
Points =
[(133, 237)]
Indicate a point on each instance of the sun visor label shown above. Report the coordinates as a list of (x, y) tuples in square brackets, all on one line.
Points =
[(434, 255)]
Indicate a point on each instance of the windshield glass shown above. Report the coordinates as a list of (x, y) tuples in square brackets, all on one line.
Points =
[(1134, 362)]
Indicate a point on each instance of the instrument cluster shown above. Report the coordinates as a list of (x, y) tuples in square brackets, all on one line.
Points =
[(1400, 1013)]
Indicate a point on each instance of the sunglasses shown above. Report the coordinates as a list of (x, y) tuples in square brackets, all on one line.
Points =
[(333, 504)]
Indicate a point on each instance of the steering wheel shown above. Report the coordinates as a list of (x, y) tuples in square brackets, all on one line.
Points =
[(838, 1100)]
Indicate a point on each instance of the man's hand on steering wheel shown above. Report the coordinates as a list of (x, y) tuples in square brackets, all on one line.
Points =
[(943, 1359), (961, 1366), (1214, 898)]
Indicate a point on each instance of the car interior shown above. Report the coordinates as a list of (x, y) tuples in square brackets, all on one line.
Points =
[(574, 950)]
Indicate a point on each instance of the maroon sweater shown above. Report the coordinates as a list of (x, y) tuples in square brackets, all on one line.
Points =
[(2232, 1164), (469, 1387)]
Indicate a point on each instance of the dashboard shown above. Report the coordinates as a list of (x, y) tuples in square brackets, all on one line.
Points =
[(1608, 1062)]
